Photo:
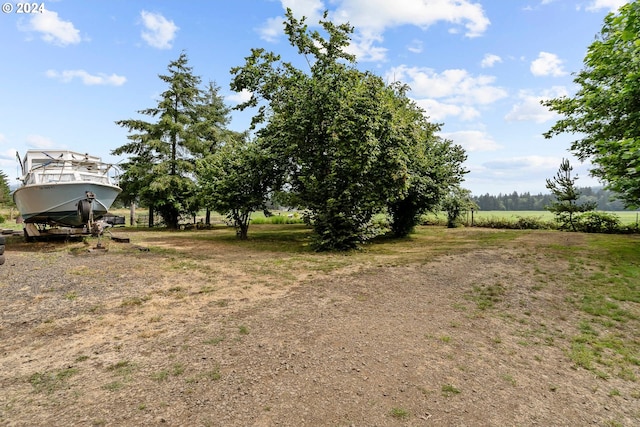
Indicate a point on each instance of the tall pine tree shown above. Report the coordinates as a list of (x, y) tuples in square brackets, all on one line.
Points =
[(162, 153), (566, 205)]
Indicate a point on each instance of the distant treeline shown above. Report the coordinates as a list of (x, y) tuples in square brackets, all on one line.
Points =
[(528, 202)]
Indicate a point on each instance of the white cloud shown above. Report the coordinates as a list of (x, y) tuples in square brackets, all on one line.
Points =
[(612, 5), (53, 29), (520, 173), (378, 15), (529, 108), (451, 93), (362, 46), (490, 60), (524, 163), (523, 173), (159, 32), (7, 155), (438, 111), (39, 141), (415, 46), (239, 97), (473, 140), (88, 79), (372, 18), (272, 30), (547, 64), (454, 85), (311, 9)]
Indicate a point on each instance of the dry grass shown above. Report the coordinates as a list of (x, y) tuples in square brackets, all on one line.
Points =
[(457, 327)]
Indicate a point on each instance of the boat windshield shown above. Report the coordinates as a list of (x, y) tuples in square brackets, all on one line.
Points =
[(51, 178), (94, 178)]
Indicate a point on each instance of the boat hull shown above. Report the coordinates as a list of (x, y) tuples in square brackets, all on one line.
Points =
[(57, 203)]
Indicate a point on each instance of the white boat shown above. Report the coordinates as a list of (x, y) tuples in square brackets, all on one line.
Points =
[(64, 188)]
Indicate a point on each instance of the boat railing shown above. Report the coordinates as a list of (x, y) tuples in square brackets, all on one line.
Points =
[(37, 169)]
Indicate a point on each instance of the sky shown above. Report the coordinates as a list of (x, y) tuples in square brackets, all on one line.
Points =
[(69, 69)]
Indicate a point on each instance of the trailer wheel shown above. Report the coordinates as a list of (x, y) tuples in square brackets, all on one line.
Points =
[(84, 210), (2, 259)]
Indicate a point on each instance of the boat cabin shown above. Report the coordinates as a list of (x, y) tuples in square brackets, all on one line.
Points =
[(56, 166)]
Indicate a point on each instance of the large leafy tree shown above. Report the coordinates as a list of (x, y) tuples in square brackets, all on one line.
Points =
[(336, 130), (434, 165), (160, 170), (455, 203), (605, 111), (237, 180)]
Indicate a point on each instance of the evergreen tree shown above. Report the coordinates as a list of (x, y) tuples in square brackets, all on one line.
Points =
[(210, 128), (161, 166), (5, 190), (566, 206)]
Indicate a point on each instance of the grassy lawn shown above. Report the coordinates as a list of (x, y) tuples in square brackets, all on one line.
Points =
[(286, 217), (500, 315), (603, 276), (626, 217)]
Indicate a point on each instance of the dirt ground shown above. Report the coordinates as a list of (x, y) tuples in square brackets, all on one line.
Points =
[(198, 332)]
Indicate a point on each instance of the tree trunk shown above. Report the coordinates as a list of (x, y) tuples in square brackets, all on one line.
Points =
[(243, 231), (132, 214), (150, 216), (241, 221)]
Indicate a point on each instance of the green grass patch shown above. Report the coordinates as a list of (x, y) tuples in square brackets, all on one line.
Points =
[(48, 382), (486, 296), (134, 301), (123, 368), (606, 282), (161, 375), (214, 341), (449, 390), (278, 219), (399, 413)]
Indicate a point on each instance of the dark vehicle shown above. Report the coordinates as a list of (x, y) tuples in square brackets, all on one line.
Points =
[(114, 220)]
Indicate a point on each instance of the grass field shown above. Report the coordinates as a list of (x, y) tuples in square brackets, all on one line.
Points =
[(510, 327), (626, 217), (286, 217)]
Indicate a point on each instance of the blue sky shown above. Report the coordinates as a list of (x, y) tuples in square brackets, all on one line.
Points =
[(479, 67)]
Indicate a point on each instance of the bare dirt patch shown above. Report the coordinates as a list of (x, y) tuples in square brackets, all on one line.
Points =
[(206, 332)]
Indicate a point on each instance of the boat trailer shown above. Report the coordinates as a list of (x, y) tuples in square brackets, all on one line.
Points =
[(90, 227)]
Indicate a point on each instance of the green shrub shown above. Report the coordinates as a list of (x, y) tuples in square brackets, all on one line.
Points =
[(630, 229), (519, 223), (2, 219), (533, 223), (495, 222), (431, 219), (278, 219), (598, 222)]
